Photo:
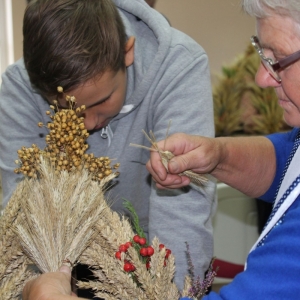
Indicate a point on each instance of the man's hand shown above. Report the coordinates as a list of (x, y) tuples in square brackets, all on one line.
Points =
[(50, 286)]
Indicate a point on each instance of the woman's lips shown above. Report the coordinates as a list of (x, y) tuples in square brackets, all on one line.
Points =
[(283, 102)]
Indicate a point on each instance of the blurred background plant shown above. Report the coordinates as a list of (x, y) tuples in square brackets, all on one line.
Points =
[(240, 106)]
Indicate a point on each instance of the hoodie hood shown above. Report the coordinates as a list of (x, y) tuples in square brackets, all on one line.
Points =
[(152, 34)]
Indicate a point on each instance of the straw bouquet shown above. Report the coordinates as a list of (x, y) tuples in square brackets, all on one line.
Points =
[(58, 215)]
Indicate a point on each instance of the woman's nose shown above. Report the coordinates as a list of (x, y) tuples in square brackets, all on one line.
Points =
[(264, 79)]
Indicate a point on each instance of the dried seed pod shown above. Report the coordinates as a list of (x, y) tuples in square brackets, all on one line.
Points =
[(65, 144), (60, 89)]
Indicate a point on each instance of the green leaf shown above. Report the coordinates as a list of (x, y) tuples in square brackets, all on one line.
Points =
[(134, 218)]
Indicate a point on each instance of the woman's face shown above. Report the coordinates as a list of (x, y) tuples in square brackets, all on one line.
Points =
[(280, 37)]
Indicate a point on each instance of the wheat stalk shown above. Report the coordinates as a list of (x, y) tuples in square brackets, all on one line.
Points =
[(11, 285), (111, 279), (64, 217), (166, 156), (58, 215), (112, 282), (50, 218)]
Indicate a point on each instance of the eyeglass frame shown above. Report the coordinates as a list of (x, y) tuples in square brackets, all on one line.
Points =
[(271, 66)]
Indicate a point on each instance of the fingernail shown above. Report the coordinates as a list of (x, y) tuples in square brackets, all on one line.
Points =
[(65, 269), (173, 166)]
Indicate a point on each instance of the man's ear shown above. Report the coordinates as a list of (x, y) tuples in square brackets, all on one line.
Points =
[(129, 51)]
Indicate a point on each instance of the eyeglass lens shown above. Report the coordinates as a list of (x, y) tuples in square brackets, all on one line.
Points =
[(267, 62), (270, 69)]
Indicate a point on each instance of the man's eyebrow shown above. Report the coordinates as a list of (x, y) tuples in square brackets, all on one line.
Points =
[(99, 101), (92, 105)]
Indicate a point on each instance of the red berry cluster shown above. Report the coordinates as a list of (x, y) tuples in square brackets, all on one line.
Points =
[(144, 250), (139, 240), (168, 252), (128, 267)]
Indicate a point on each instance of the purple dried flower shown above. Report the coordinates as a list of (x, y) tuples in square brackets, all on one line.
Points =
[(199, 288)]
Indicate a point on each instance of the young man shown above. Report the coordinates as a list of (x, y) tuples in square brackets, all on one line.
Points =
[(132, 71)]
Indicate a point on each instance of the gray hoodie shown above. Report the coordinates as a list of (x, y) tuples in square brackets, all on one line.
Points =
[(169, 79)]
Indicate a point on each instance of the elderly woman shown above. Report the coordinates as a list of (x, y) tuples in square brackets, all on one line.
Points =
[(264, 167)]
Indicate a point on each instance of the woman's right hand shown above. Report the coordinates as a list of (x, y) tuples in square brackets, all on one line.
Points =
[(198, 154)]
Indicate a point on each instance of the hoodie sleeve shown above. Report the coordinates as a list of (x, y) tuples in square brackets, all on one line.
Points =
[(20, 113), (179, 216)]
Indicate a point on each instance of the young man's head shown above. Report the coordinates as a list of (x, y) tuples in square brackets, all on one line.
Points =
[(68, 42), (80, 45)]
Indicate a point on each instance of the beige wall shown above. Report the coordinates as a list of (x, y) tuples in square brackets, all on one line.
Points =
[(18, 7), (218, 25)]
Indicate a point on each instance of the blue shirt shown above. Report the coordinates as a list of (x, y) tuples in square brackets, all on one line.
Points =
[(273, 268)]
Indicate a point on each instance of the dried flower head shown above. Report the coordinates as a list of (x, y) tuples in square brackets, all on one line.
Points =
[(66, 145), (195, 288), (59, 215)]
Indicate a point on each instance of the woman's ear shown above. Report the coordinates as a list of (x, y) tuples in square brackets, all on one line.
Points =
[(129, 51)]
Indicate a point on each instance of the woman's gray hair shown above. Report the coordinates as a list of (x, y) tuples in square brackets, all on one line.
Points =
[(263, 8)]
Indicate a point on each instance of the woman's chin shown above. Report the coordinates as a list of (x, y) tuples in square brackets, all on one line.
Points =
[(292, 120)]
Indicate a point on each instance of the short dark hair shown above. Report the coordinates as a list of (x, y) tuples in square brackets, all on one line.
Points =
[(67, 42)]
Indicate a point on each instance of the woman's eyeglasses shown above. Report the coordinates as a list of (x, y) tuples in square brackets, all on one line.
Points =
[(270, 65)]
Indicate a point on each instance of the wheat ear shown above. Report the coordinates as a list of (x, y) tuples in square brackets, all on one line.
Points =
[(166, 156)]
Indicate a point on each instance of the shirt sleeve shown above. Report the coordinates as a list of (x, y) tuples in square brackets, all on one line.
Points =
[(20, 110), (271, 271), (283, 144)]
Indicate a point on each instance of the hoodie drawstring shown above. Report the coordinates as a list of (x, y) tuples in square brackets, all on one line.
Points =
[(107, 133), (104, 133)]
